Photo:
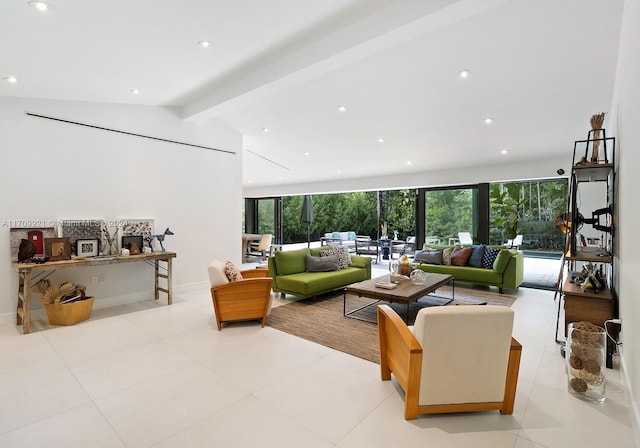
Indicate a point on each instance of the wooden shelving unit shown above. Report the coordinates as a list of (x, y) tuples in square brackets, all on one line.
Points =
[(580, 303)]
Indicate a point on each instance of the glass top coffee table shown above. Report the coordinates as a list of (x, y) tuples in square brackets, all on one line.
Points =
[(405, 293)]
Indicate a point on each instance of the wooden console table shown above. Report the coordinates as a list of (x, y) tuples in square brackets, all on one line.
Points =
[(26, 271)]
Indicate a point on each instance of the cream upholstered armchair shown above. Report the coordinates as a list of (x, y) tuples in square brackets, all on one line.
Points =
[(246, 299), (454, 359)]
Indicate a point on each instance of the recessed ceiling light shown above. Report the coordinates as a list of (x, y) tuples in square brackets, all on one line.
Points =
[(306, 153), (380, 140), (134, 91), (488, 120), (249, 181), (338, 171), (463, 74), (408, 162), (265, 129), (204, 43), (342, 108), (40, 6), (10, 79), (504, 151)]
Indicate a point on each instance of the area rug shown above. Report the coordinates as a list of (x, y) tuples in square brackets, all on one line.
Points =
[(322, 321)]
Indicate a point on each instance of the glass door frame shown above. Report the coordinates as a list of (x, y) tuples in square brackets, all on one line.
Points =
[(251, 217), (481, 203)]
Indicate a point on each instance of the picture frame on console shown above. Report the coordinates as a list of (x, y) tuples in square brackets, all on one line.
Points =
[(57, 249), (88, 247), (36, 235), (129, 240)]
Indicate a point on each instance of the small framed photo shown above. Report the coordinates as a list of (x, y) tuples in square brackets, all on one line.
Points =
[(88, 247), (129, 241), (56, 249)]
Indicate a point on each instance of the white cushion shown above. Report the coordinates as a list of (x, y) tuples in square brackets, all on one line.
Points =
[(465, 351), (216, 273)]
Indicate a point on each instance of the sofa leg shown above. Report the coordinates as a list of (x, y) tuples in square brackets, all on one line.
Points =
[(282, 295), (500, 289), (314, 298)]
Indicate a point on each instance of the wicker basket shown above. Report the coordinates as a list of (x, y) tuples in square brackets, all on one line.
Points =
[(69, 313)]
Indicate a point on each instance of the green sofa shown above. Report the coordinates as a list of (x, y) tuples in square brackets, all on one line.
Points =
[(288, 271), (507, 272)]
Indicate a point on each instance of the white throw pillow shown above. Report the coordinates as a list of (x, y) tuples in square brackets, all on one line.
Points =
[(217, 275)]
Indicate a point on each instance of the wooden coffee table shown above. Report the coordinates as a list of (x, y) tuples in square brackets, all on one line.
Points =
[(406, 292)]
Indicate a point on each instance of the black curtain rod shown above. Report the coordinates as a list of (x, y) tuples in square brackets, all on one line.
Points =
[(127, 133)]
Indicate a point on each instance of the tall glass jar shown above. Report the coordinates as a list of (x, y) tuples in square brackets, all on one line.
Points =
[(585, 356)]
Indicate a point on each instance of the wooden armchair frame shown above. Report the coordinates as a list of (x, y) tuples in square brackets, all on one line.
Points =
[(246, 299), (401, 354)]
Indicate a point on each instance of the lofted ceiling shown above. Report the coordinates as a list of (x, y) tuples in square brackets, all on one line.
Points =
[(538, 69)]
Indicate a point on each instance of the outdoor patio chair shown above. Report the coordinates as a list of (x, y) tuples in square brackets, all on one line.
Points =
[(454, 359), (465, 238), (410, 246), (366, 246), (515, 243)]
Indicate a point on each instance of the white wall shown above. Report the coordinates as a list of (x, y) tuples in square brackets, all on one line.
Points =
[(625, 116), (52, 171)]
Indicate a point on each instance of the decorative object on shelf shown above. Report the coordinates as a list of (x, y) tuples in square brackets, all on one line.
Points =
[(109, 240), (27, 250), (160, 239), (79, 229), (597, 121), (133, 243), (57, 249), (585, 358), (34, 234), (137, 227), (88, 248), (125, 252)]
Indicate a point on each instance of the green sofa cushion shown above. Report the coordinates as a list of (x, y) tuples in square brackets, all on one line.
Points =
[(312, 283), (291, 262), (465, 273), (502, 260)]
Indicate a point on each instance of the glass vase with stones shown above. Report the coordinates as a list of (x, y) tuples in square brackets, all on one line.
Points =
[(585, 358)]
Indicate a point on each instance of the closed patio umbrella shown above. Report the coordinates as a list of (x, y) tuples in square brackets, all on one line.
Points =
[(307, 215)]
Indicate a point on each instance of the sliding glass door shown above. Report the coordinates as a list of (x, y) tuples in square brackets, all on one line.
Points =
[(264, 215), (448, 212)]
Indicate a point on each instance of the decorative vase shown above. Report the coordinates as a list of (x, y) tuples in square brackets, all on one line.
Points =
[(585, 358), (405, 269)]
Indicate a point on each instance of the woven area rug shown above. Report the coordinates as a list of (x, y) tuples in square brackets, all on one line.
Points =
[(323, 322)]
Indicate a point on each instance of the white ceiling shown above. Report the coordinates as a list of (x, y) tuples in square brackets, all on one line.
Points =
[(540, 69)]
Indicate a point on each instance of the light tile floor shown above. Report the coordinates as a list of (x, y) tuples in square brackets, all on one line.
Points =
[(162, 376)]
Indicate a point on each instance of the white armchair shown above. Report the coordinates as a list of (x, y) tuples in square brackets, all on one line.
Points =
[(454, 359)]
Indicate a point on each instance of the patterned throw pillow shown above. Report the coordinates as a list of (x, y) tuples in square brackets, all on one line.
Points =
[(232, 272), (489, 257), (446, 256), (344, 260)]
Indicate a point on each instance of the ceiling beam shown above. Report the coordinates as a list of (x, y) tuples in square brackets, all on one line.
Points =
[(361, 35)]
